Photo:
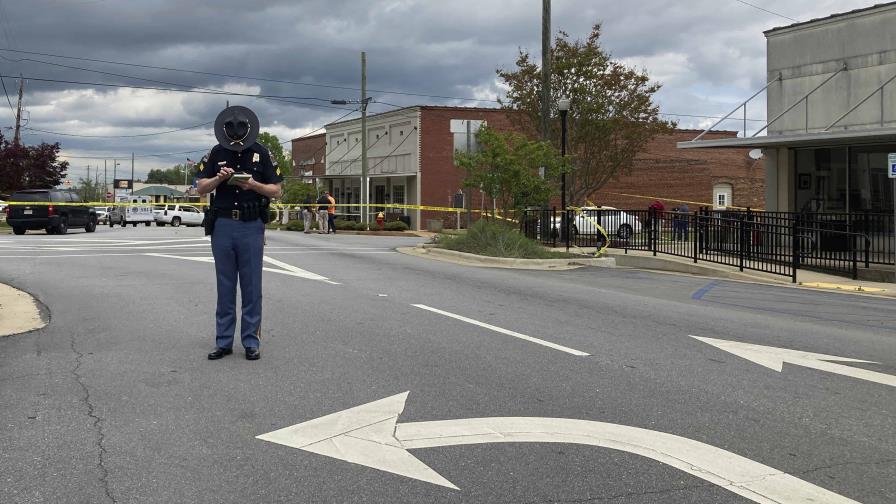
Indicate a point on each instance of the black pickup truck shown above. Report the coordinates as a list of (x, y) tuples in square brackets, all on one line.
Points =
[(45, 213)]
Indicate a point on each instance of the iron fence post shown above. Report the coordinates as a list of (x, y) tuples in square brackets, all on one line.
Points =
[(553, 224), (855, 264), (866, 232), (794, 248), (652, 218), (566, 217), (740, 241), (696, 227)]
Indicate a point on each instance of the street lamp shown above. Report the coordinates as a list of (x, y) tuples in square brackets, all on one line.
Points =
[(563, 105)]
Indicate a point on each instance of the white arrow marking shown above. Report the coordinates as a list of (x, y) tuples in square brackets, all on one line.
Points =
[(501, 330), (369, 435), (774, 358)]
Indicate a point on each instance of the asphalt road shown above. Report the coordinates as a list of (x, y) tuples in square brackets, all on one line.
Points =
[(115, 401)]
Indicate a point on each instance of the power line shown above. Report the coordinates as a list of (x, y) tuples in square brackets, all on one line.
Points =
[(216, 91), (763, 9), (122, 136), (167, 154), (193, 90), (259, 79)]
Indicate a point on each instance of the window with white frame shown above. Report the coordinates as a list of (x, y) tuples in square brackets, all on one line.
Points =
[(721, 196)]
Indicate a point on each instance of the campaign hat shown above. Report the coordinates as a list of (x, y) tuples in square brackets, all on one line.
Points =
[(236, 128)]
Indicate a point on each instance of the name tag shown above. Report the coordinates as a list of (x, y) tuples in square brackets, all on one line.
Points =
[(256, 158)]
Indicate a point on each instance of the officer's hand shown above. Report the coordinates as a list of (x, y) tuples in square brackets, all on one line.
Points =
[(225, 173), (247, 185)]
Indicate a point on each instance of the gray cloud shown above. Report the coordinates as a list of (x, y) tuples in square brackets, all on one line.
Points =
[(709, 54)]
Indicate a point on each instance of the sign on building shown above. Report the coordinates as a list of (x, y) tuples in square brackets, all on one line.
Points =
[(891, 165)]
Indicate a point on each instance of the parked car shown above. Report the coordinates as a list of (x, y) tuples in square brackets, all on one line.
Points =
[(133, 210), (102, 214), (35, 209), (616, 223), (177, 215)]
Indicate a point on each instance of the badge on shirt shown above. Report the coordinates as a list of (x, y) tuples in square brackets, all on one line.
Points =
[(256, 158)]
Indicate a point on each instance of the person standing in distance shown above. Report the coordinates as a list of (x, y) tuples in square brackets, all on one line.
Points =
[(237, 218)]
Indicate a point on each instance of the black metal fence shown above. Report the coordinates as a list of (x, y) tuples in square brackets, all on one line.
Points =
[(773, 242)]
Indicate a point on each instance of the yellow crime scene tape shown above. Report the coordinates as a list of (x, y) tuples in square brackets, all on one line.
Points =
[(277, 205), (597, 225), (661, 198)]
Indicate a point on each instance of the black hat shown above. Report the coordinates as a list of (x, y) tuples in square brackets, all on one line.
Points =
[(236, 128)]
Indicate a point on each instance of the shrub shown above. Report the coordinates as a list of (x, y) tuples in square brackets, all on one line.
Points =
[(496, 239), (396, 226), (344, 225), (295, 225)]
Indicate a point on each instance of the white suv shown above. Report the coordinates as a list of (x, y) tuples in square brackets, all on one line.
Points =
[(177, 215)]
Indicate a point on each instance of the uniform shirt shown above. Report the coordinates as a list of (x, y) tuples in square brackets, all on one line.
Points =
[(255, 160)]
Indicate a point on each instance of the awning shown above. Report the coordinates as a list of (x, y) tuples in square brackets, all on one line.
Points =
[(821, 139)]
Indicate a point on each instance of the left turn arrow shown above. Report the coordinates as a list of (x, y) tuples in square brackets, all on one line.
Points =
[(369, 435)]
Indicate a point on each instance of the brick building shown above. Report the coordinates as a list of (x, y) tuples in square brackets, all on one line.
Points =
[(719, 178), (308, 155), (411, 161)]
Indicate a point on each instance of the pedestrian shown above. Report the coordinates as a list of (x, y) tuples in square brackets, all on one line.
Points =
[(322, 214), (655, 218), (331, 213), (683, 222), (308, 213), (244, 178)]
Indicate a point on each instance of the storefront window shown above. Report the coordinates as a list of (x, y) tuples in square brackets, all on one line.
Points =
[(821, 180), (869, 187)]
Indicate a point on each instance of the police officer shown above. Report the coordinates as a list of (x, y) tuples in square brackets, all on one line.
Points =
[(237, 218)]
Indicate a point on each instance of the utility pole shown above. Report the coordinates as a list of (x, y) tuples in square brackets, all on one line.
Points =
[(545, 69), (105, 178), (17, 139), (365, 196), (88, 177), (364, 102), (132, 172), (469, 197)]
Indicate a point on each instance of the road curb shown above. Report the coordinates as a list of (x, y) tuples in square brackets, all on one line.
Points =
[(503, 262), (20, 312)]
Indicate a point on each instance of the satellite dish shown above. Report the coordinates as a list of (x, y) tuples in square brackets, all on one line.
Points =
[(756, 154)]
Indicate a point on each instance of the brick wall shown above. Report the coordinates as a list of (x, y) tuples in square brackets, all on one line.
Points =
[(307, 148), (667, 173), (439, 178)]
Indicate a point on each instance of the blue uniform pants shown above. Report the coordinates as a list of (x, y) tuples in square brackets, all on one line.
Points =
[(238, 248)]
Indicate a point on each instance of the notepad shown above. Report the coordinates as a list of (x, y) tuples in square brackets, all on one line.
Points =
[(238, 177)]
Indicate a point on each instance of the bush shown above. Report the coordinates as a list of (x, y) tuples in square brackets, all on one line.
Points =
[(344, 225), (396, 226), (299, 225), (496, 239)]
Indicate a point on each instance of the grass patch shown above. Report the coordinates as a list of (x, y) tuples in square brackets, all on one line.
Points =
[(497, 239)]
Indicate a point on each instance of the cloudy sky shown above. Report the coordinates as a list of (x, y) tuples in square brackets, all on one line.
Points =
[(709, 55)]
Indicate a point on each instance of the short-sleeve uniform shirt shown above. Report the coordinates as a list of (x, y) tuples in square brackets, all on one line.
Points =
[(255, 160)]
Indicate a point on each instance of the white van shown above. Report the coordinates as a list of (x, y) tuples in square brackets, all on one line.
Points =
[(137, 209)]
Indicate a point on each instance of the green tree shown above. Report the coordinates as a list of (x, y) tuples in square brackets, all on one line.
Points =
[(90, 190), (612, 115), (171, 176), (295, 191), (506, 169), (278, 155)]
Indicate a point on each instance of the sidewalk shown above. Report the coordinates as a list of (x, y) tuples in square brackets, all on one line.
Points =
[(19, 312), (808, 279)]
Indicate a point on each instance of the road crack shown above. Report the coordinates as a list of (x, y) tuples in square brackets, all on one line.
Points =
[(97, 424)]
